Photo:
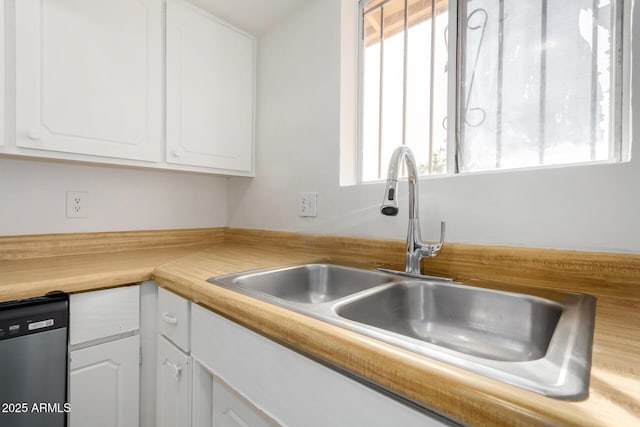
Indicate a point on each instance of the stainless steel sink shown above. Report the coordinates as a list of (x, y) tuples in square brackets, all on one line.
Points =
[(311, 283), (540, 344), (477, 322)]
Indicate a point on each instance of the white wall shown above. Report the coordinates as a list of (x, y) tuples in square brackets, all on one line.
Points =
[(585, 208), (33, 198)]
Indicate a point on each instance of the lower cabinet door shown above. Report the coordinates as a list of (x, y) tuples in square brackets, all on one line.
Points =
[(278, 384), (104, 384), (232, 410), (173, 405), (216, 404)]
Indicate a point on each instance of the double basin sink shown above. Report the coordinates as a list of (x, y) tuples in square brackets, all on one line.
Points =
[(539, 344)]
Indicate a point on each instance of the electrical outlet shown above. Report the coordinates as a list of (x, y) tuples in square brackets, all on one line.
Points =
[(308, 204), (77, 204)]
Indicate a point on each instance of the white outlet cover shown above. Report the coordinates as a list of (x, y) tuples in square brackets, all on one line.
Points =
[(308, 204), (77, 204)]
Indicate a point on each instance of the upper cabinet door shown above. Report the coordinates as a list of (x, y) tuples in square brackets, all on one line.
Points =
[(89, 77), (210, 91), (2, 76)]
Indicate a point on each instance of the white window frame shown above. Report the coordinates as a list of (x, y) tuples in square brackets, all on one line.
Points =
[(621, 102)]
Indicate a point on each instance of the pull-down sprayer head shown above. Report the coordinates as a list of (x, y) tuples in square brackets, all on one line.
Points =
[(390, 202)]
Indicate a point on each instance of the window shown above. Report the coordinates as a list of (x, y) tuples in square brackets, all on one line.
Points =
[(404, 90), (534, 83)]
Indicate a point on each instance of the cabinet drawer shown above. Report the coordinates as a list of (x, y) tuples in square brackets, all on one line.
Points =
[(102, 314), (174, 317)]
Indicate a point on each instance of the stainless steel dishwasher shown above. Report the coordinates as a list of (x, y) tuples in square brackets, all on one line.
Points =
[(34, 362)]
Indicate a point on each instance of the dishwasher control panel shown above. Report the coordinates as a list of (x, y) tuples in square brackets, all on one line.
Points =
[(25, 317)]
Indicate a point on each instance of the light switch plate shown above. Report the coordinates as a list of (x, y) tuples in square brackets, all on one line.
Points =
[(308, 204)]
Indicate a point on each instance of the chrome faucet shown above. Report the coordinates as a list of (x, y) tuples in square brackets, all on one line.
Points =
[(416, 248)]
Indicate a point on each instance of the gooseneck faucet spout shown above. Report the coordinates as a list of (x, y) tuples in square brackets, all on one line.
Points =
[(416, 248)]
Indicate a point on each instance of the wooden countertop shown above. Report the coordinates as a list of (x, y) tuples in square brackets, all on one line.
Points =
[(614, 397), (27, 278)]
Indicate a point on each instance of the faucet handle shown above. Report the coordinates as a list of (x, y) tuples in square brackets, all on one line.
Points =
[(443, 227), (434, 249)]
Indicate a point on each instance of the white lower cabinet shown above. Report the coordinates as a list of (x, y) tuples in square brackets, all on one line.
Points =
[(230, 409), (223, 375), (174, 386), (244, 379), (104, 384), (216, 404), (104, 380), (173, 362)]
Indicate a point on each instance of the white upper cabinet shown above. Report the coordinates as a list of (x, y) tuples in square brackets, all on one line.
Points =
[(210, 91), (2, 76), (89, 77)]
